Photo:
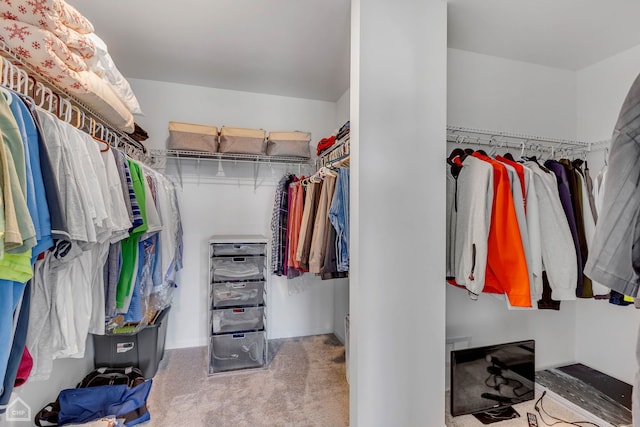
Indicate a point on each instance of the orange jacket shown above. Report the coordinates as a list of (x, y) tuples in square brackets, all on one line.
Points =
[(507, 271)]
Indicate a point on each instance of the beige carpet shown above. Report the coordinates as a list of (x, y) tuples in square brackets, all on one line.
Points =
[(305, 385)]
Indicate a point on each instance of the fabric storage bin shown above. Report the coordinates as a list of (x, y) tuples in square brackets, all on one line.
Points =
[(242, 141), (193, 137), (294, 144), (223, 249), (143, 349), (230, 294), (237, 351), (237, 319), (238, 268)]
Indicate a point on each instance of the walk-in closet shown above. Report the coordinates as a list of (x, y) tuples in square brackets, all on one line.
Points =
[(258, 332)]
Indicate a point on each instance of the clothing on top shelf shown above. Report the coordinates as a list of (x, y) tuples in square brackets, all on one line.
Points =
[(88, 243), (520, 229)]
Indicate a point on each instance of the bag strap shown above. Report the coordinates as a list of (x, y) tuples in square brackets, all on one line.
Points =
[(48, 415), (135, 414)]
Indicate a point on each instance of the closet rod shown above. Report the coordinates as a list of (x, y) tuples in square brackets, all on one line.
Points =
[(12, 60), (500, 139)]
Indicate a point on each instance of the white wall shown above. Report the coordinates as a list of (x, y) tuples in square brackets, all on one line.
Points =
[(66, 373), (342, 108), (605, 334), (397, 313), (215, 202), (494, 93), (498, 94), (341, 295)]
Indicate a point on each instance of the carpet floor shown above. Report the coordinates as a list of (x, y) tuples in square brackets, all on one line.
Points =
[(305, 385)]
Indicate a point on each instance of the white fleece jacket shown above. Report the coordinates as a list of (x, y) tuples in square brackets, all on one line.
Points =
[(473, 220), (558, 252)]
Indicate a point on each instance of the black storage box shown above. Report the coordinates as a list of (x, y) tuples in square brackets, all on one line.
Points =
[(143, 349)]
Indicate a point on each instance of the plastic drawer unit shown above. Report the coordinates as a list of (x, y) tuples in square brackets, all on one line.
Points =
[(237, 302)]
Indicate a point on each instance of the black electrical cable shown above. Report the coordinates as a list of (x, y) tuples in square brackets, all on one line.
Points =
[(540, 409)]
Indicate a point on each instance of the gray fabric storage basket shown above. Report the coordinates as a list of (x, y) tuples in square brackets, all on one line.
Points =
[(242, 141), (292, 144), (193, 137)]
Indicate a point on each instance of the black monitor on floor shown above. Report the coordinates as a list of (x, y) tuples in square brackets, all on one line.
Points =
[(486, 381)]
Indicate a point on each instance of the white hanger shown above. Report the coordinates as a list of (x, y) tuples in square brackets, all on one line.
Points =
[(7, 95)]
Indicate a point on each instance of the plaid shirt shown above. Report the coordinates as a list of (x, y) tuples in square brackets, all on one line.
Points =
[(279, 225)]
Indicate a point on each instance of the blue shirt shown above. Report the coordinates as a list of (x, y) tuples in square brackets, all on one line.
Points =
[(36, 196)]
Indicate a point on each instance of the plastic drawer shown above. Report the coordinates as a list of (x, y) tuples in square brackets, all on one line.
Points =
[(232, 294), (226, 249), (237, 319), (238, 268), (231, 352)]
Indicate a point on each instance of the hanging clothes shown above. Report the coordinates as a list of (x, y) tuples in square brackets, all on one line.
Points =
[(279, 225), (312, 199), (339, 217), (557, 248), (321, 225), (494, 203), (63, 209), (309, 225)]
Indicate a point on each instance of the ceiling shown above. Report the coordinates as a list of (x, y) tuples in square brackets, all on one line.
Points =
[(296, 48), (300, 48), (568, 34)]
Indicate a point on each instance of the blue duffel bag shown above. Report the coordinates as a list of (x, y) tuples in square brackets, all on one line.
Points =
[(124, 395)]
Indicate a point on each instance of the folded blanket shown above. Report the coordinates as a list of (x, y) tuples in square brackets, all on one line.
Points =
[(326, 143), (48, 15), (102, 64), (70, 17), (40, 48)]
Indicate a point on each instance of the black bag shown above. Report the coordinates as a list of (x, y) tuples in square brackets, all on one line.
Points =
[(112, 376), (121, 392)]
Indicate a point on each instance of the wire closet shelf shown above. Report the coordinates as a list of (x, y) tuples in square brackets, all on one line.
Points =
[(240, 158), (530, 143)]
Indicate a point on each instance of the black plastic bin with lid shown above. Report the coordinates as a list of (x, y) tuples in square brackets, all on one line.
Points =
[(143, 349)]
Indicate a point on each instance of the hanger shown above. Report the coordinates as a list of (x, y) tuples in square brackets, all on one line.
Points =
[(106, 146), (7, 95), (32, 80), (457, 152), (455, 160)]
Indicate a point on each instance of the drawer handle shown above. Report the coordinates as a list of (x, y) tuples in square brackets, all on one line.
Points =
[(237, 336), (238, 285), (239, 259), (238, 310)]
